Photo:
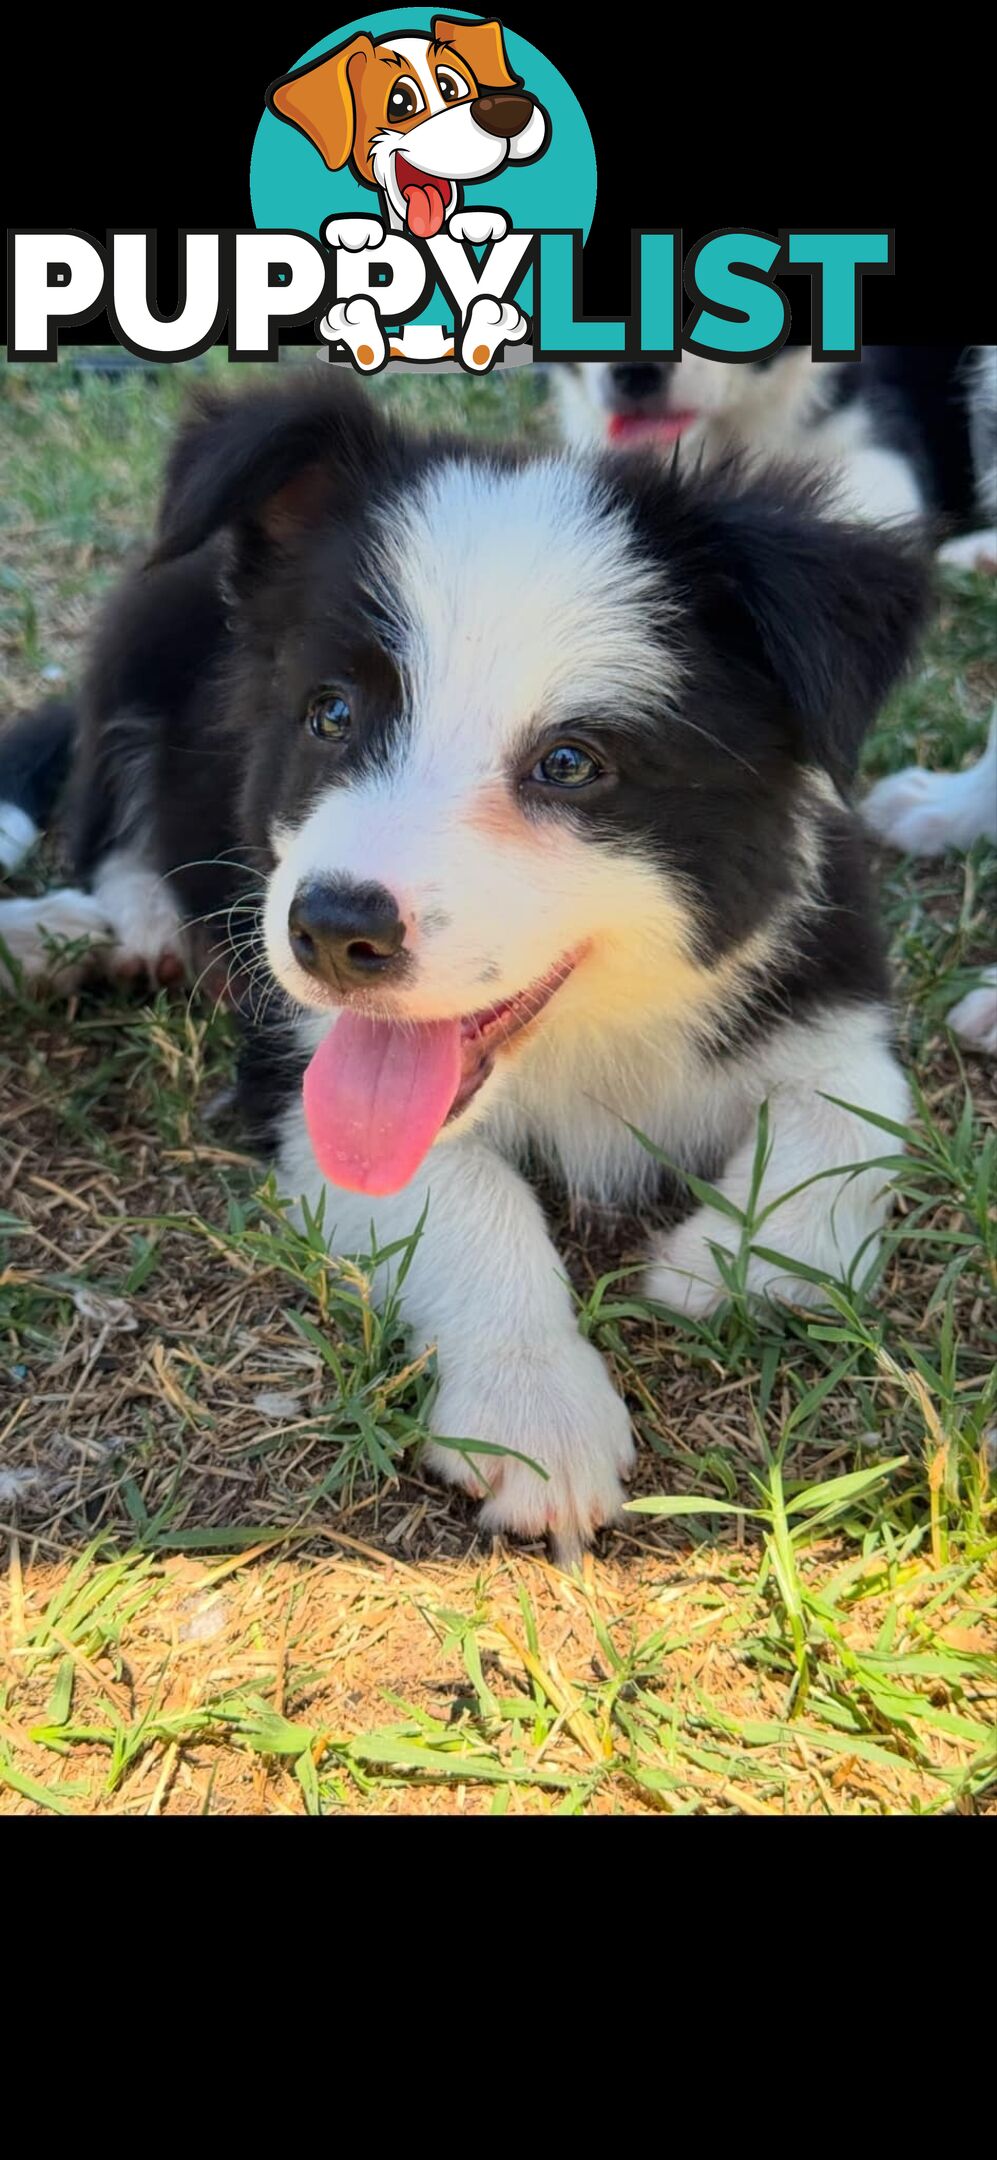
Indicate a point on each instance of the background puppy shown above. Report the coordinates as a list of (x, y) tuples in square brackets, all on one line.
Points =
[(541, 766), (837, 420)]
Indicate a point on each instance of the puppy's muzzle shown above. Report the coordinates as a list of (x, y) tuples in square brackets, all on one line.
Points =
[(634, 382), (349, 937), (506, 113)]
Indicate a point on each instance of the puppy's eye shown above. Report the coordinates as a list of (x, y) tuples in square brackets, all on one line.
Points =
[(328, 716), (404, 101), (449, 86), (567, 765)]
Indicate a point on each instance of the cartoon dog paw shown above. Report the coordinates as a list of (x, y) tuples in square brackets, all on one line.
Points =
[(356, 324), (490, 324), (478, 226), (353, 233)]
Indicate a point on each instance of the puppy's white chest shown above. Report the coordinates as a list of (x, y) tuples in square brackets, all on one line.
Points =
[(581, 1106)]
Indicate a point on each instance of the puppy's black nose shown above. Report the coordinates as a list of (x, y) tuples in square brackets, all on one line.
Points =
[(348, 936), (636, 380), (504, 113)]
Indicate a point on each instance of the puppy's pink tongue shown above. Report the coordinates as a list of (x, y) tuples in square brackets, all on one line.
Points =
[(424, 207), (375, 1096), (637, 427)]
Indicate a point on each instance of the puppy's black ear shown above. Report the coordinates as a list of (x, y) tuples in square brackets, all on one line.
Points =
[(268, 464), (828, 612), (837, 611)]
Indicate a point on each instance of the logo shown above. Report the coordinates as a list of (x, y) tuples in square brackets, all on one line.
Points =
[(425, 154), (422, 187)]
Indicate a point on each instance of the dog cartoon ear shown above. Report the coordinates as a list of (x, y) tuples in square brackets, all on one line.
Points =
[(480, 44), (267, 466), (320, 99)]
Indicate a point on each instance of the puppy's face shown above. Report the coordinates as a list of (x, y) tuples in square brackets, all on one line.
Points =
[(474, 718), (529, 744), (629, 401)]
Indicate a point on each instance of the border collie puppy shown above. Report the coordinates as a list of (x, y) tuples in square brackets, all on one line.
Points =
[(833, 419), (542, 764)]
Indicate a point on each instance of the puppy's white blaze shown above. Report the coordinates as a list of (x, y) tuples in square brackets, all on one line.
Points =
[(520, 597)]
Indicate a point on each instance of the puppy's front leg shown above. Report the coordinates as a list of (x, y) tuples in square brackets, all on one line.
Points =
[(486, 1287)]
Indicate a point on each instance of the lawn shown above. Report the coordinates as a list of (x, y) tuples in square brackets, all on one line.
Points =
[(228, 1586)]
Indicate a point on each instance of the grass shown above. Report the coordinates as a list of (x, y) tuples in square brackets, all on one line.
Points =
[(229, 1587)]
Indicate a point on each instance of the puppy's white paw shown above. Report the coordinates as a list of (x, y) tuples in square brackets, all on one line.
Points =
[(974, 1019), (148, 937), (971, 551), (353, 233), (555, 1404), (43, 936), (18, 835), (478, 226), (924, 813), (490, 324), (356, 324), (684, 1274)]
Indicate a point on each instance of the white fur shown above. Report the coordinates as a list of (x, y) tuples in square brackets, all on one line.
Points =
[(144, 917), (974, 1019), (18, 835), (779, 412), (925, 813), (832, 1225), (486, 1289), (33, 931)]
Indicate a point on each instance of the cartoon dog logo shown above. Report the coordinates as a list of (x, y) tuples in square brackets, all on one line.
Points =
[(416, 118)]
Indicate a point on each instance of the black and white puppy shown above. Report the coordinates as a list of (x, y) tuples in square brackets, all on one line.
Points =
[(543, 763), (846, 422)]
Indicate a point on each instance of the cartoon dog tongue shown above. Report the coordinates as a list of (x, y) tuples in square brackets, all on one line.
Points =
[(375, 1097), (425, 205)]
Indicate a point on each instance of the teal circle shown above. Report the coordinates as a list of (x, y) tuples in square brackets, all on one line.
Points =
[(292, 190)]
